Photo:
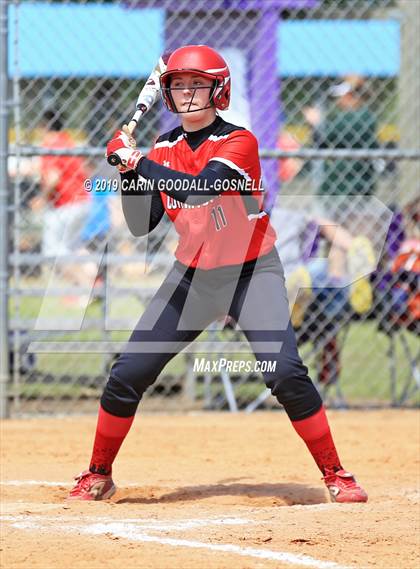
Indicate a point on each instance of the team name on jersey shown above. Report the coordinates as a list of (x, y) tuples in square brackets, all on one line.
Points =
[(172, 203)]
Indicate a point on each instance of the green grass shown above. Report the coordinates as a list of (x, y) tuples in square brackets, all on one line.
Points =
[(365, 364), (365, 375)]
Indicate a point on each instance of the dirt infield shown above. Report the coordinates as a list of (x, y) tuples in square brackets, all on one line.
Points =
[(211, 491)]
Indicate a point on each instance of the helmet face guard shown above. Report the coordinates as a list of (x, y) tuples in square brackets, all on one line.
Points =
[(200, 60), (166, 89)]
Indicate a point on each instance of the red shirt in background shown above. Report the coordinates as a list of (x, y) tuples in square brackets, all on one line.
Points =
[(72, 171), (408, 263)]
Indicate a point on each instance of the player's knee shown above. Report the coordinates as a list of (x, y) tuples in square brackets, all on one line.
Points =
[(294, 389), (127, 382), (286, 381), (120, 398)]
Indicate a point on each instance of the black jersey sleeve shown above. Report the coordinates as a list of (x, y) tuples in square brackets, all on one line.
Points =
[(142, 206), (195, 190)]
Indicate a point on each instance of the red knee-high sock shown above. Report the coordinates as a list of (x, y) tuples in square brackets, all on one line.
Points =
[(316, 433), (110, 433)]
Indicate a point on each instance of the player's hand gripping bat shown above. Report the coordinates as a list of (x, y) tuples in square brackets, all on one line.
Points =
[(145, 102)]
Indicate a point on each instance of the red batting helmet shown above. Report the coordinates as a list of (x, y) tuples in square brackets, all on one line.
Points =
[(202, 60)]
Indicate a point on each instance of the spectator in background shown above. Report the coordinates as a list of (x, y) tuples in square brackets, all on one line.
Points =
[(317, 285), (346, 184), (63, 199), (288, 167), (404, 294), (349, 125), (306, 268), (98, 222)]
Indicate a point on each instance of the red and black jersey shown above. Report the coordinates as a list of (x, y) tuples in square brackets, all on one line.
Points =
[(228, 226)]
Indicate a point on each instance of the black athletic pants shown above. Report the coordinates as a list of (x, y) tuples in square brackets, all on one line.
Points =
[(186, 303)]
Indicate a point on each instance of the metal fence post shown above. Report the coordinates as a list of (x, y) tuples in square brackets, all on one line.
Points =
[(409, 84), (4, 341)]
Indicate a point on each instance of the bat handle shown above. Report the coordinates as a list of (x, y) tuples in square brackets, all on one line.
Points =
[(114, 159), (133, 123)]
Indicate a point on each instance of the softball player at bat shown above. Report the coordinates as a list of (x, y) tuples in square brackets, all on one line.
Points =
[(226, 264)]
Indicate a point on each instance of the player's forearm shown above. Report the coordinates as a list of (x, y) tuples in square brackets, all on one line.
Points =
[(142, 210), (142, 218), (194, 190)]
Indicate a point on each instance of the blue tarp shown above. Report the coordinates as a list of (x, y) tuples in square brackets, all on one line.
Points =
[(108, 40), (85, 40), (337, 47)]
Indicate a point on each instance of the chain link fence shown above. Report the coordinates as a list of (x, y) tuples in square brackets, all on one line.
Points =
[(329, 87)]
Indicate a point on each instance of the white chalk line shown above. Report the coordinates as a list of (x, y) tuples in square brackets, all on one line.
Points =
[(159, 526), (52, 483), (134, 531)]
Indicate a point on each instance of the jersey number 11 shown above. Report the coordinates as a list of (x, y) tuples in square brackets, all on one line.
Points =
[(218, 216)]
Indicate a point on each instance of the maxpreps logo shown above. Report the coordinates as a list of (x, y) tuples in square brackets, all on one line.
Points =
[(201, 365)]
